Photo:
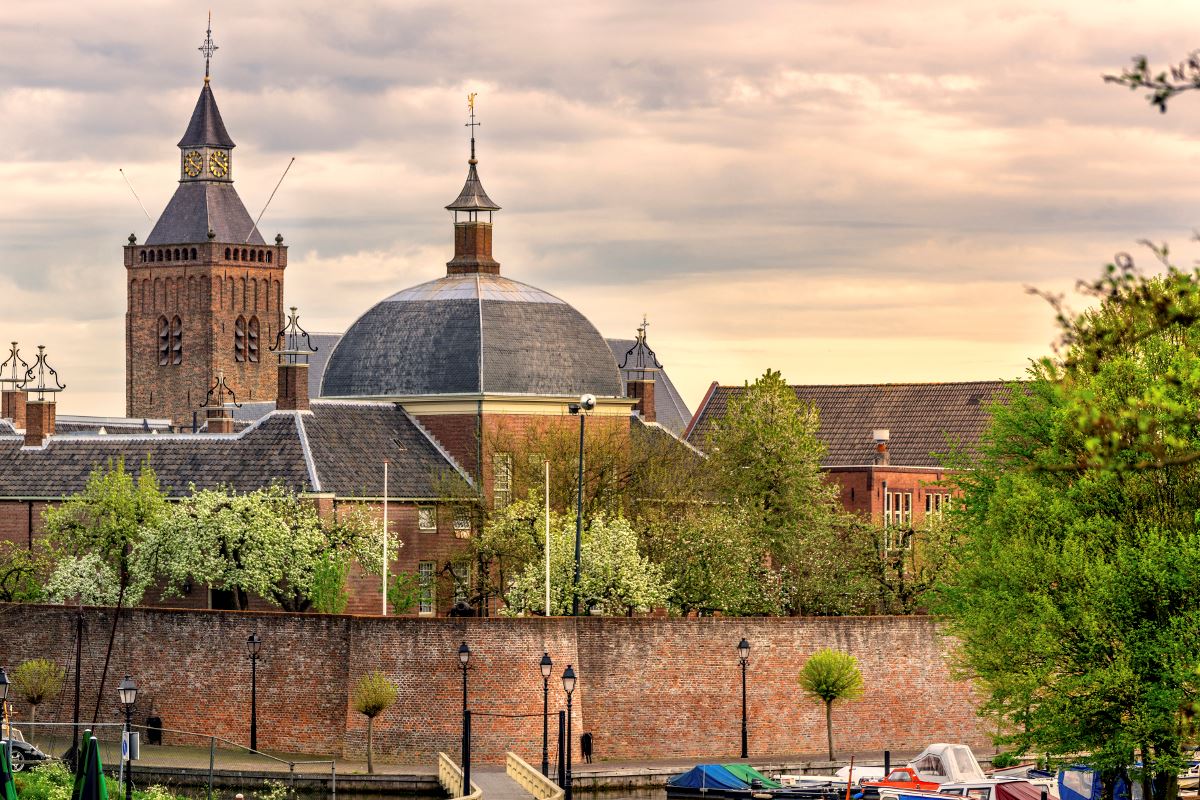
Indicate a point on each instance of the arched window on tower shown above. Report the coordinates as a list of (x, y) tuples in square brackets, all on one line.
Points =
[(164, 342), (268, 256), (252, 340), (227, 254), (176, 341), (239, 339), (193, 255)]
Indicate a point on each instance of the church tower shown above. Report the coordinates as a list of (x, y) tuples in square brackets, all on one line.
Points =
[(205, 289)]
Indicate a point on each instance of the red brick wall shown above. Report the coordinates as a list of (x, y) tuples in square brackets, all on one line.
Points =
[(647, 687)]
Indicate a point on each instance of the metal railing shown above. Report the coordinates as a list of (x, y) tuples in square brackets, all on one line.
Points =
[(188, 751), (450, 776), (531, 780)]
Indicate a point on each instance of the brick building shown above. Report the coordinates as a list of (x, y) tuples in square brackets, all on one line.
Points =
[(429, 379), (886, 444)]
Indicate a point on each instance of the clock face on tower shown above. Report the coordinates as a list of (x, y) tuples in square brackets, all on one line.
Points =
[(193, 162), (218, 163)]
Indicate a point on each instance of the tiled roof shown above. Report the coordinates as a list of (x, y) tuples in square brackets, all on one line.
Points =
[(923, 419), (338, 447), (669, 409), (324, 342), (472, 197), (200, 206), (471, 334), (206, 126)]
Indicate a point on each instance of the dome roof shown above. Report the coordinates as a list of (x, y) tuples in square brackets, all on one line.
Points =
[(471, 334)]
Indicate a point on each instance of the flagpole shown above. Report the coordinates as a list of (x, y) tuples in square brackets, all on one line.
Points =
[(385, 535), (547, 465)]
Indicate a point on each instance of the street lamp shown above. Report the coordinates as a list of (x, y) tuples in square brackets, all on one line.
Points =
[(253, 645), (464, 655), (547, 665), (127, 690), (744, 658), (568, 680), (586, 403)]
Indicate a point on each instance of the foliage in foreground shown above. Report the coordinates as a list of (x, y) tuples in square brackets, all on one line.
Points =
[(1076, 593), (53, 781)]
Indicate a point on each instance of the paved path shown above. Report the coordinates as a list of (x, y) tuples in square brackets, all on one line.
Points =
[(496, 784)]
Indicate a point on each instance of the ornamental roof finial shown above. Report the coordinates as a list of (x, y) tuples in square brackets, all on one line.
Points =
[(208, 48)]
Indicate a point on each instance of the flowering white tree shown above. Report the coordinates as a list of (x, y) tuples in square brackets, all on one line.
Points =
[(270, 542), (615, 578)]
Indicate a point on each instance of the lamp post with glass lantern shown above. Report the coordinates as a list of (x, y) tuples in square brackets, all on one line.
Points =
[(253, 645), (464, 655), (586, 403), (744, 658), (547, 665), (568, 680), (127, 690)]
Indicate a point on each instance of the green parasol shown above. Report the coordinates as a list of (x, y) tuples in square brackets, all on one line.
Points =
[(8, 791), (89, 776)]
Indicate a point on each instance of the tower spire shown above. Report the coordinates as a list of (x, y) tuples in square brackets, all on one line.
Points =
[(472, 230), (208, 47), (472, 124)]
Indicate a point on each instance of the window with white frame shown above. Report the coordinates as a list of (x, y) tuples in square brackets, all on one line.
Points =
[(462, 522), (501, 479), (897, 508), (426, 518), (936, 503), (425, 578)]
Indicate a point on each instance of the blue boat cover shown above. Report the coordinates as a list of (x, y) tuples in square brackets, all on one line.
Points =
[(708, 776)]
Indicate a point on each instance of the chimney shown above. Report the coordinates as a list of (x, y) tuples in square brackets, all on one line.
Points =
[(219, 416), (12, 398), (881, 436), (640, 368), (293, 347), (39, 422), (40, 411)]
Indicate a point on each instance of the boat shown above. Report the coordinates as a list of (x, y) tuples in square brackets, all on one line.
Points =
[(986, 789), (705, 781)]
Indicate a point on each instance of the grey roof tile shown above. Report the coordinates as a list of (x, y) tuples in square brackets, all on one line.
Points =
[(473, 197), (198, 206), (923, 419), (206, 126)]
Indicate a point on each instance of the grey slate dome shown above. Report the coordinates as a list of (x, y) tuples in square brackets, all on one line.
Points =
[(471, 334)]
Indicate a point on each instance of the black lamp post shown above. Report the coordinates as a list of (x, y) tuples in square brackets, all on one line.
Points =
[(128, 692), (568, 686), (744, 658), (253, 645), (586, 403), (547, 665), (464, 655)]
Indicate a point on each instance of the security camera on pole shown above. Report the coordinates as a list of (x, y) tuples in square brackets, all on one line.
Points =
[(585, 404)]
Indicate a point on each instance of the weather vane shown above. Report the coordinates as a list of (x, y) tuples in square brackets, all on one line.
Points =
[(208, 47), (472, 124)]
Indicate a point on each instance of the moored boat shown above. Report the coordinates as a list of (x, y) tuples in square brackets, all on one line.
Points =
[(706, 781)]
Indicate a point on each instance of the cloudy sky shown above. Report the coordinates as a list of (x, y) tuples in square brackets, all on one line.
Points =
[(846, 191)]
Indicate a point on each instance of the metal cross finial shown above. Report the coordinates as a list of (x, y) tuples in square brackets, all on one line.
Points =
[(216, 395), (208, 47), (293, 343), (472, 124), (38, 371)]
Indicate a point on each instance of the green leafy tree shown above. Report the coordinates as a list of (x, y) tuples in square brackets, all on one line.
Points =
[(1075, 593), (404, 593), (373, 695), (615, 578), (830, 676), (110, 525), (1164, 84), (24, 571), (270, 542), (37, 681), (765, 459)]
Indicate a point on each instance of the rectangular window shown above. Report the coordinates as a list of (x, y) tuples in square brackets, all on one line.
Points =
[(501, 480), (426, 518), (462, 523), (897, 513), (425, 584)]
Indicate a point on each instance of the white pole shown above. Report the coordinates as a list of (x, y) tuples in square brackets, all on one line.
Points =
[(547, 464), (385, 534)]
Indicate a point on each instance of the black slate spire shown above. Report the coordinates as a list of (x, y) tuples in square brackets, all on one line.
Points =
[(472, 197), (206, 128)]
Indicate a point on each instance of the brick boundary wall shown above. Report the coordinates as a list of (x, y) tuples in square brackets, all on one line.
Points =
[(648, 687)]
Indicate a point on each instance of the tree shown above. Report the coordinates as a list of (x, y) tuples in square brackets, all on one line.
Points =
[(1075, 593), (269, 542), (1181, 77), (614, 577), (24, 571), (37, 681), (110, 524), (830, 676), (765, 460), (373, 695)]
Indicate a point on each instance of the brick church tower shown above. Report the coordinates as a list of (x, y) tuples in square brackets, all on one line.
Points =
[(205, 290)]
